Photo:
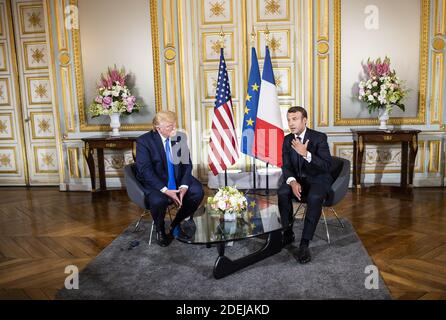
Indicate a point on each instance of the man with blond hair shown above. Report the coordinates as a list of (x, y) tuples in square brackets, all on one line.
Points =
[(164, 168)]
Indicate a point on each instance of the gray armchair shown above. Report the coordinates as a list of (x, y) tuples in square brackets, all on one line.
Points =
[(135, 192), (340, 171)]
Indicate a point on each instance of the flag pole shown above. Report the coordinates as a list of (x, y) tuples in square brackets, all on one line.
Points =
[(226, 178), (254, 174), (267, 179)]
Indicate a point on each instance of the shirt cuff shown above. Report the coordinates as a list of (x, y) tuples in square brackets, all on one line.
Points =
[(183, 186), (308, 157), (290, 179), (163, 189)]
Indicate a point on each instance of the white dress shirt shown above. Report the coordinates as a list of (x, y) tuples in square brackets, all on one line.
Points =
[(163, 139), (308, 157)]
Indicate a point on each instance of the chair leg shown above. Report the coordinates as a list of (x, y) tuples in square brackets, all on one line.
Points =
[(326, 226), (337, 217), (297, 211), (139, 220), (151, 232)]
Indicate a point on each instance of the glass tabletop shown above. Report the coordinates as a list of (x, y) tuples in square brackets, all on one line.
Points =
[(261, 217)]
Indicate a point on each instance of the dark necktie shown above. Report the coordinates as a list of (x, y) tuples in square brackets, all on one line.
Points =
[(171, 185), (299, 159)]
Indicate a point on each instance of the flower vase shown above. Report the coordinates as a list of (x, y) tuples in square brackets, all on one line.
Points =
[(115, 124), (230, 216), (383, 117)]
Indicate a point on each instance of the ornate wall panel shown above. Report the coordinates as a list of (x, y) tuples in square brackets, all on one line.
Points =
[(36, 92), (13, 165)]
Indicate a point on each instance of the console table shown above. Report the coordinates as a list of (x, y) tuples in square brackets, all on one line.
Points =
[(409, 144), (100, 143)]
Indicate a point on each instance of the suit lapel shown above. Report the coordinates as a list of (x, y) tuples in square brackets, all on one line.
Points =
[(160, 147)]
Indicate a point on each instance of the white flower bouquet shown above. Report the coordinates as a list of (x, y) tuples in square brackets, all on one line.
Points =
[(113, 95), (382, 89), (228, 200)]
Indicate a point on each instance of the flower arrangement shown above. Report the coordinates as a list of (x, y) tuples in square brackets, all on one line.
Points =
[(113, 95), (228, 200), (382, 88)]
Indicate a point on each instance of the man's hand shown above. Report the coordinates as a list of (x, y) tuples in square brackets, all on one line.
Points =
[(300, 148), (173, 194), (183, 191), (297, 189)]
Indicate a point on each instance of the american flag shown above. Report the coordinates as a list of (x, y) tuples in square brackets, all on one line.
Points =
[(223, 147)]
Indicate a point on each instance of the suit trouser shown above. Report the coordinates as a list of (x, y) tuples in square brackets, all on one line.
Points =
[(158, 203), (314, 194)]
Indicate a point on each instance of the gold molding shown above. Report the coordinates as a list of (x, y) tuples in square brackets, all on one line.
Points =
[(1, 21), (18, 100), (229, 35), (29, 93), (289, 89), (5, 61), (287, 18), (424, 56), (36, 163), (439, 17), (434, 156), (182, 65), (73, 163), (322, 25), (417, 169), (230, 21), (21, 8), (11, 121), (310, 66), (322, 73), (211, 95), (26, 57), (169, 37), (437, 86), (272, 31), (57, 118), (8, 93), (84, 125), (16, 171), (33, 128)]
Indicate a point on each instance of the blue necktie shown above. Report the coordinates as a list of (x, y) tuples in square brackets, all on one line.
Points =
[(171, 185)]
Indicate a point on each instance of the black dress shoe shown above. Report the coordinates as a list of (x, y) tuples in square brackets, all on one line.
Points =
[(189, 227), (162, 239), (304, 255), (288, 237)]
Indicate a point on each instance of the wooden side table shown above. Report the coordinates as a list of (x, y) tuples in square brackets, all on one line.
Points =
[(101, 143), (409, 143)]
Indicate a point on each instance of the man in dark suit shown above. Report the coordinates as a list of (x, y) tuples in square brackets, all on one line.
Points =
[(306, 173), (164, 168)]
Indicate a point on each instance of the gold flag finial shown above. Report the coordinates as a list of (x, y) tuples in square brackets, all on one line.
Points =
[(222, 38), (253, 37), (267, 33)]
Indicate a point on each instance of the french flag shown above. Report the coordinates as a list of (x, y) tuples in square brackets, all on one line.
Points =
[(269, 134)]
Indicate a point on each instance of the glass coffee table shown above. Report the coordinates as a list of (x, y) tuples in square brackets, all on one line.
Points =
[(260, 219)]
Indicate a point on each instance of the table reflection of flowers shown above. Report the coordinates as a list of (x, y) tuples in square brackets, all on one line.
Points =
[(229, 202), (242, 227)]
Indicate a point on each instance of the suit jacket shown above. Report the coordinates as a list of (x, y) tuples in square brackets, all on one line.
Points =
[(318, 170), (151, 161)]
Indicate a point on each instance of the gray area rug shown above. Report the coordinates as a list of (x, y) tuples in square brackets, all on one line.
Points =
[(183, 271)]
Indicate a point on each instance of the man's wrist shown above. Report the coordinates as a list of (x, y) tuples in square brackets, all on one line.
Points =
[(163, 190)]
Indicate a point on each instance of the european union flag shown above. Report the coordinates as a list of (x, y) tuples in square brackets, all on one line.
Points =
[(252, 103)]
